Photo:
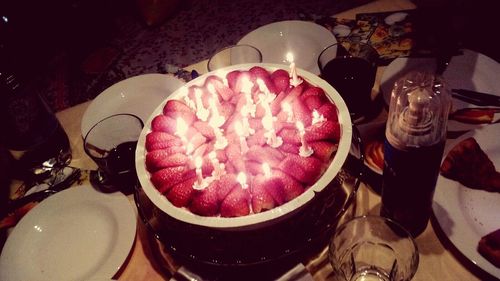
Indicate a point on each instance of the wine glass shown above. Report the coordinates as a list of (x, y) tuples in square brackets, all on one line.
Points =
[(111, 143)]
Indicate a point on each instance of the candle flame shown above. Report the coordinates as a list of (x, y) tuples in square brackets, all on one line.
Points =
[(289, 57), (267, 169), (198, 162)]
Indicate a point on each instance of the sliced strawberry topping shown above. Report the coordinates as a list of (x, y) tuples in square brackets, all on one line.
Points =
[(253, 167), (162, 123), (206, 130), (226, 183), (185, 112), (291, 187), (232, 78), (290, 148), (226, 110), (160, 140), (181, 194), (261, 199), (233, 153), (323, 150), (313, 102), (159, 159), (329, 111), (276, 103), (294, 94), (313, 91), (281, 80), (274, 187), (259, 72), (302, 113), (257, 138), (205, 202), (236, 203), (303, 169), (290, 136), (264, 154), (165, 178), (327, 130)]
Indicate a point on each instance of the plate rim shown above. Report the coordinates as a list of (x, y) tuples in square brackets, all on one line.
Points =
[(121, 209), (469, 250), (116, 88), (289, 25)]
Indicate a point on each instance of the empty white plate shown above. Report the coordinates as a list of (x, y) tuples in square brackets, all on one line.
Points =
[(76, 234)]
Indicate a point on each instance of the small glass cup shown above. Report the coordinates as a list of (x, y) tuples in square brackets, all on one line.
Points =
[(351, 67), (373, 248), (232, 55), (111, 143)]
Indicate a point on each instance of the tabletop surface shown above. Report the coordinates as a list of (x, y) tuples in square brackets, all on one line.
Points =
[(439, 260)]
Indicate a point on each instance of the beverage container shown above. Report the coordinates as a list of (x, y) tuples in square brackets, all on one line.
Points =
[(30, 130), (351, 69), (414, 143)]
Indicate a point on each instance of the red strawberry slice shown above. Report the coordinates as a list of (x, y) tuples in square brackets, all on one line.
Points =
[(181, 194), (232, 78), (159, 159), (236, 203), (161, 140), (290, 136), (165, 178), (261, 199), (280, 125), (281, 84), (162, 123), (225, 93), (226, 183), (255, 123), (264, 154), (327, 130), (302, 113), (197, 140), (329, 111), (230, 168), (269, 85), (177, 109), (313, 102), (274, 188), (226, 110), (291, 187), (206, 130), (257, 138), (294, 94), (244, 75), (259, 72), (206, 167), (234, 156), (323, 150), (314, 92), (290, 148), (280, 73), (303, 169), (205, 202), (253, 167)]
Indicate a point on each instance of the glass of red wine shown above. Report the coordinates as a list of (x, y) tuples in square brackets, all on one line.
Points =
[(111, 144), (350, 67)]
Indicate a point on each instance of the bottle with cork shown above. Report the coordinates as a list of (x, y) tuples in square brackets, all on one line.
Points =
[(414, 143)]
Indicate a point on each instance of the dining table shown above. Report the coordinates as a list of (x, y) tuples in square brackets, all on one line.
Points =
[(438, 258)]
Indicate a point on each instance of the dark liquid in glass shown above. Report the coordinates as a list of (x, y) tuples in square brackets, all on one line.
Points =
[(409, 182), (353, 78), (119, 165)]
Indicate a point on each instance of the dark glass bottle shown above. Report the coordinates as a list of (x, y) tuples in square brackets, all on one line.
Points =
[(413, 148), (30, 130)]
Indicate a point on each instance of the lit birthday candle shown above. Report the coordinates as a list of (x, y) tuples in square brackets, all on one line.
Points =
[(201, 112), (268, 124), (295, 80), (199, 184), (242, 179), (287, 108), (246, 89), (317, 118), (219, 168), (243, 142), (305, 150)]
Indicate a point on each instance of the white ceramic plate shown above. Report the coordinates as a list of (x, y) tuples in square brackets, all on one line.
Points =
[(259, 219), (76, 234), (138, 95), (466, 214), (305, 40)]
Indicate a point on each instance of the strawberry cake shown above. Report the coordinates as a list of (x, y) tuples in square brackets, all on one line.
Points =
[(243, 141)]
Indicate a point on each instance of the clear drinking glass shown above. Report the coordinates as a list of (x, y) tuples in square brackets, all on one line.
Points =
[(373, 248), (111, 143), (235, 54)]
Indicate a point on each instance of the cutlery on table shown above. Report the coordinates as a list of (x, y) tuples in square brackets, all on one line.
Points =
[(476, 98)]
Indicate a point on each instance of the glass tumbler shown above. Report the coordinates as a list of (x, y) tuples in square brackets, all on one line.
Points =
[(232, 55), (373, 248)]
